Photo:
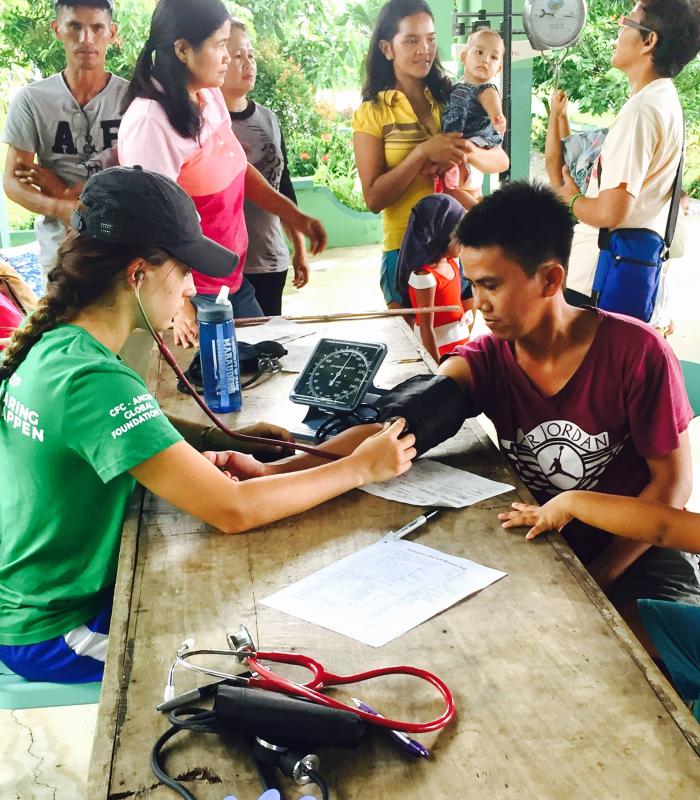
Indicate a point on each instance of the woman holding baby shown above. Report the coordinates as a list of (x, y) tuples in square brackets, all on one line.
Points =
[(399, 146)]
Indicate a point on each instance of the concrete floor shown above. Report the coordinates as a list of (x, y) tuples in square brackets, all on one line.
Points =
[(45, 752)]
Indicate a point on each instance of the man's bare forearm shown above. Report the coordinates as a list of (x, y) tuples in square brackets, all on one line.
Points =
[(553, 152), (34, 200)]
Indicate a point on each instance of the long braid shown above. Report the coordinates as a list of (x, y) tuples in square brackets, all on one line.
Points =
[(47, 315), (85, 271)]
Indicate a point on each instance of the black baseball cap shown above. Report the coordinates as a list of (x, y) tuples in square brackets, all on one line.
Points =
[(131, 205)]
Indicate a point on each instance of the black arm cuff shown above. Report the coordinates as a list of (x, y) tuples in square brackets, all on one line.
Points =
[(433, 405)]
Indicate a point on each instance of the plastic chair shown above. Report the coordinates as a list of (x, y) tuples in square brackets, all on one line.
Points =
[(691, 376), (16, 692), (674, 629)]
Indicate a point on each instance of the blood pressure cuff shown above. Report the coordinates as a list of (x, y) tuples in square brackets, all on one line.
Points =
[(433, 406), (252, 356)]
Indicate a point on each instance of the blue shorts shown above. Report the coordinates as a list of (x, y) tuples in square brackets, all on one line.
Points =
[(387, 278), (674, 629), (76, 657), (466, 291)]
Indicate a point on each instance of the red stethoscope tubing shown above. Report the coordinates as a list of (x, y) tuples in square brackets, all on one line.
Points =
[(264, 678), (305, 448)]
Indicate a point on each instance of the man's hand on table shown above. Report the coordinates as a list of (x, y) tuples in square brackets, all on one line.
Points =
[(266, 430), (238, 466)]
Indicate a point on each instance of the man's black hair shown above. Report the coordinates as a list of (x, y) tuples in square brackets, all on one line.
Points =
[(677, 24), (103, 5), (526, 220)]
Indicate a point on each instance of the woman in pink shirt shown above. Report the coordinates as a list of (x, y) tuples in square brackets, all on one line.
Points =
[(176, 122)]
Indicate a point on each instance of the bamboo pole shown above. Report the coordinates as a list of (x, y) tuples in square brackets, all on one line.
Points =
[(343, 315)]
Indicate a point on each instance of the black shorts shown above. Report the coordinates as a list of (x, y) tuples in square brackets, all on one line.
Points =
[(660, 574)]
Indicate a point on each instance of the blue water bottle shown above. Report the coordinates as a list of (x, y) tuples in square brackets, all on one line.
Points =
[(218, 351)]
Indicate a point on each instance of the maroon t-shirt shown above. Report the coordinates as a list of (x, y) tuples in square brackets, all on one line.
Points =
[(625, 403)]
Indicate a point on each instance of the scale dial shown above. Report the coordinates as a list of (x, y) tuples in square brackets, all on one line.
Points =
[(552, 24), (338, 374)]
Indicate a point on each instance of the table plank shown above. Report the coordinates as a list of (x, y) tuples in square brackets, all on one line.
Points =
[(555, 697)]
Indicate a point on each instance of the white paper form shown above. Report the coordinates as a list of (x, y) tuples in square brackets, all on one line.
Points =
[(429, 483), (383, 590), (275, 330), (297, 357)]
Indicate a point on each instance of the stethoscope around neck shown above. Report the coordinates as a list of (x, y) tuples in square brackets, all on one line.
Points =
[(261, 440)]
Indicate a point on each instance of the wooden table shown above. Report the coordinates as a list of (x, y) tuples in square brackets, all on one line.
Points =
[(555, 697)]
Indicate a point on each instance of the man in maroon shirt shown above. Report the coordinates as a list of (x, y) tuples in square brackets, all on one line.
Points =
[(580, 398)]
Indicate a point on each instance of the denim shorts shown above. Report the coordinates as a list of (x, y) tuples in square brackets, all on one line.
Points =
[(387, 278)]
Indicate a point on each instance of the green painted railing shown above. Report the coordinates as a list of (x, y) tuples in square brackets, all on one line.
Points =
[(345, 226)]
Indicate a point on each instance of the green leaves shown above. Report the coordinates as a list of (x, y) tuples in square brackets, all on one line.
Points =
[(597, 88), (26, 39), (586, 74)]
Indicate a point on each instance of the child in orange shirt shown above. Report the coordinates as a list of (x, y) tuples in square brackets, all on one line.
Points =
[(429, 274)]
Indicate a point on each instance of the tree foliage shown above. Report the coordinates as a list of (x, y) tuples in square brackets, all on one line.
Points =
[(26, 39), (327, 44), (588, 78), (282, 86)]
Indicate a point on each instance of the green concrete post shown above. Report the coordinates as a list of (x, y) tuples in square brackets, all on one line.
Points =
[(442, 11)]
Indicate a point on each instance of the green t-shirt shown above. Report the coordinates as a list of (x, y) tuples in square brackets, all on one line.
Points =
[(73, 420)]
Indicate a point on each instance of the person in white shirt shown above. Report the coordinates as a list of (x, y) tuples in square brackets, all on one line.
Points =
[(631, 185)]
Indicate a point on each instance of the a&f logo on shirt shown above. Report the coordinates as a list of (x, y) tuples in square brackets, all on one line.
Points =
[(559, 455)]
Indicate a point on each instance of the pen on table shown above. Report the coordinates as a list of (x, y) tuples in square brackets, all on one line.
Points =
[(409, 527), (413, 747)]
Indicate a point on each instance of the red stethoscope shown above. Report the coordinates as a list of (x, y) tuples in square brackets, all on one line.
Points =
[(246, 654)]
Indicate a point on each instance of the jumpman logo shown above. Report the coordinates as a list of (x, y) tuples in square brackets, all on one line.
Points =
[(558, 454), (557, 469)]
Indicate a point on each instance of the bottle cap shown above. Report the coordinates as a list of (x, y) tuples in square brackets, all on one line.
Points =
[(219, 310)]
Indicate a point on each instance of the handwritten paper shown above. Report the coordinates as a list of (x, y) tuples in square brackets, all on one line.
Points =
[(383, 591), (429, 483)]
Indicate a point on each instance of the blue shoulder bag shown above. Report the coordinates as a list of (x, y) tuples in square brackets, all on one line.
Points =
[(630, 262)]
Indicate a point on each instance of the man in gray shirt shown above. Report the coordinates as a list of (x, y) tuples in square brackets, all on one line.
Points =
[(61, 129)]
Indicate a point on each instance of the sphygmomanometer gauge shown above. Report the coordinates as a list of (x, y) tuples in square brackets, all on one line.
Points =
[(338, 374)]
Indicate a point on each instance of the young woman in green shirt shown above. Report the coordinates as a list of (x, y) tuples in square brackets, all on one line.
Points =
[(78, 428)]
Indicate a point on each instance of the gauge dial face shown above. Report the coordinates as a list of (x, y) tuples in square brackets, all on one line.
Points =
[(553, 23), (338, 374)]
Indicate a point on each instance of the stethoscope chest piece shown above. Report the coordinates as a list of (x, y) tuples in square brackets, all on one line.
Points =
[(241, 643)]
